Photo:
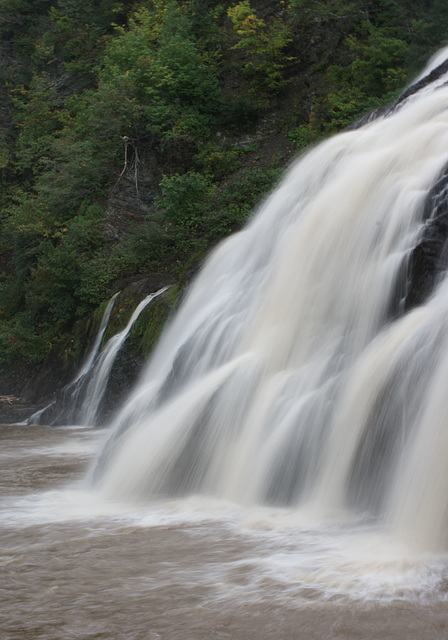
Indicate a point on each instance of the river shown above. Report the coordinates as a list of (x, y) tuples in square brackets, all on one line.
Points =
[(75, 565)]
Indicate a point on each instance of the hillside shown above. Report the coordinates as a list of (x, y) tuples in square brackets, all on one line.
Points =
[(135, 136)]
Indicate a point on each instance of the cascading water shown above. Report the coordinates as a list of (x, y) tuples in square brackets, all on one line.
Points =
[(96, 386), (80, 401), (295, 372), (69, 395)]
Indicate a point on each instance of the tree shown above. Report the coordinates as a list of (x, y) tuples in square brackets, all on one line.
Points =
[(264, 45)]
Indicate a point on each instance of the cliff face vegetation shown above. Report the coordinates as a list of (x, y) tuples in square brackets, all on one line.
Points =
[(134, 136)]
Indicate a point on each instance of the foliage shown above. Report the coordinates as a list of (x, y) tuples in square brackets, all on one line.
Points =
[(303, 136), (19, 338), (264, 44), (188, 89), (373, 57), (77, 32), (240, 196), (158, 71), (185, 198), (329, 10), (194, 205), (218, 161), (37, 118), (376, 72), (149, 326)]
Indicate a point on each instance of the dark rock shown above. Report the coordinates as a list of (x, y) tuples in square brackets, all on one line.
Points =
[(435, 74), (429, 259), (67, 405)]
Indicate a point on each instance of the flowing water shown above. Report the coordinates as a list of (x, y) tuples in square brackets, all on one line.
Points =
[(81, 400), (294, 374), (75, 565), (70, 393), (281, 468)]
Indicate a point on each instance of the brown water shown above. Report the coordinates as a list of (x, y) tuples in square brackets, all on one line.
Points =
[(74, 566)]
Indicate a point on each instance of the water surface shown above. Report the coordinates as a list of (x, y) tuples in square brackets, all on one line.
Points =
[(77, 566)]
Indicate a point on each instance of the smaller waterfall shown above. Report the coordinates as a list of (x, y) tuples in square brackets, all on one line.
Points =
[(69, 394), (80, 401), (102, 366), (88, 363)]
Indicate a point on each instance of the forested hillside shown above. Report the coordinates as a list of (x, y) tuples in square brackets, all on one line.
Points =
[(136, 135)]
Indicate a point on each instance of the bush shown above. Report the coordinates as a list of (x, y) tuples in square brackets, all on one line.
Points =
[(264, 44), (186, 199)]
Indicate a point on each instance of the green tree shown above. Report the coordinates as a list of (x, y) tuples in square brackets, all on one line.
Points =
[(373, 77), (159, 74), (264, 44), (36, 116), (186, 199), (77, 32)]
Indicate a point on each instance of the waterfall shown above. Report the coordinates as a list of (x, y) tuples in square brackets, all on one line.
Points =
[(80, 401), (88, 363), (302, 368), (66, 402), (97, 383)]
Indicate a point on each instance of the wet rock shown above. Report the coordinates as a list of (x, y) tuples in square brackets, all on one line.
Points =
[(429, 259)]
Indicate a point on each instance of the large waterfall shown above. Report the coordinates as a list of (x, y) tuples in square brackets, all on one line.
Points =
[(301, 369)]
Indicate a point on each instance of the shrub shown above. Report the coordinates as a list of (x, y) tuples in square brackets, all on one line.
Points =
[(186, 199), (264, 44)]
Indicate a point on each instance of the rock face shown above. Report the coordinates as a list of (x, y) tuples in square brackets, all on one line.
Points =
[(49, 383), (133, 355), (429, 259)]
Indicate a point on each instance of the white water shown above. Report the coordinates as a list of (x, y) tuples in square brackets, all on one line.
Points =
[(80, 401), (103, 364), (291, 375), (436, 60), (72, 390), (87, 366)]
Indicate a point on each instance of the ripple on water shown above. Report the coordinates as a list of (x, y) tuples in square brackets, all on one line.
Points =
[(77, 566)]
